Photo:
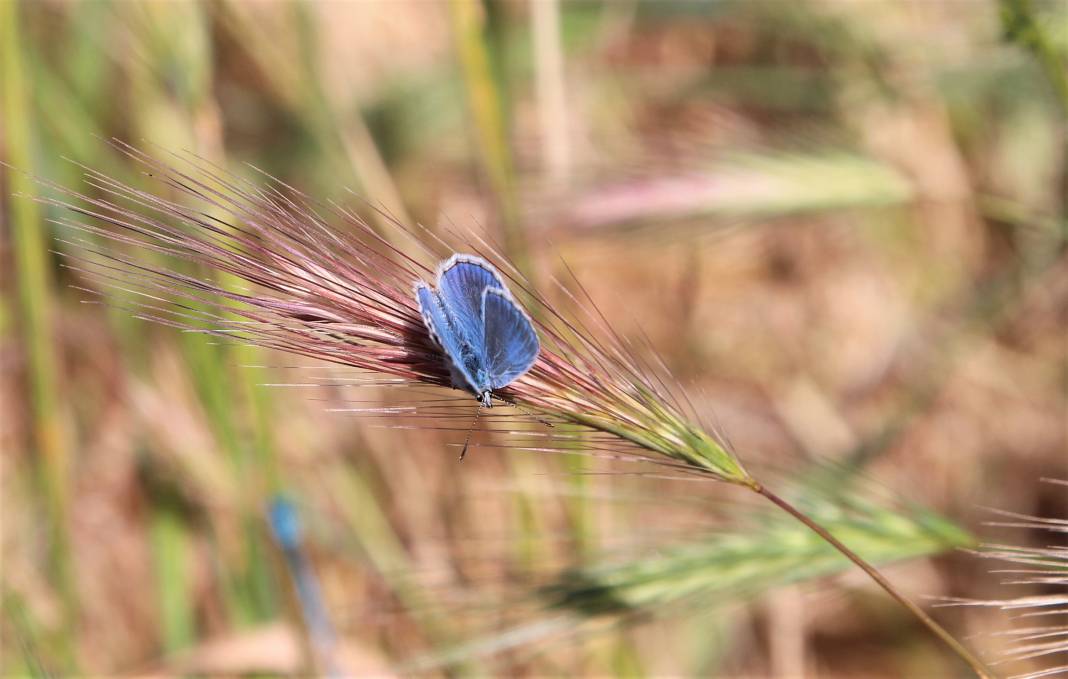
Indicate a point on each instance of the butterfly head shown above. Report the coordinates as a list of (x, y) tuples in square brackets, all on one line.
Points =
[(485, 398)]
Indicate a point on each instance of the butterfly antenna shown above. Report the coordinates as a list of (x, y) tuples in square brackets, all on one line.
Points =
[(469, 431)]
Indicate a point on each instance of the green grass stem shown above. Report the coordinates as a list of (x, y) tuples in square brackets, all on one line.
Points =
[(170, 549), (177, 41), (33, 277), (486, 105)]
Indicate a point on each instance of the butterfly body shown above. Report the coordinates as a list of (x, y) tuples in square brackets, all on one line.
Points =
[(487, 338)]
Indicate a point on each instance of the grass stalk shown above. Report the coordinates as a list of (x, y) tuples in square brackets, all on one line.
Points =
[(237, 406), (486, 105), (549, 86), (975, 663), (294, 79), (171, 556), (19, 626), (33, 276), (358, 147)]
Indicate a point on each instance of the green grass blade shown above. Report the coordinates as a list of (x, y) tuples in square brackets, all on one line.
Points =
[(746, 185), (33, 275), (170, 551), (739, 565), (721, 569), (486, 104)]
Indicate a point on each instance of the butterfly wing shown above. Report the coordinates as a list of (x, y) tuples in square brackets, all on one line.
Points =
[(443, 332), (461, 281), (511, 342)]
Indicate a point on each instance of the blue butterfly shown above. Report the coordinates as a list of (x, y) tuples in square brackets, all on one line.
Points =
[(488, 340)]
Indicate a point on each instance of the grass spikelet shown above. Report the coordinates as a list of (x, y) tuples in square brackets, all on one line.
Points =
[(345, 297), (703, 574), (740, 564)]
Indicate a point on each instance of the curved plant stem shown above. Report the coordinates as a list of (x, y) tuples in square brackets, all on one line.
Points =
[(977, 665)]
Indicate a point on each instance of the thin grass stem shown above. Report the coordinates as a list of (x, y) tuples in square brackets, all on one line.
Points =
[(975, 663)]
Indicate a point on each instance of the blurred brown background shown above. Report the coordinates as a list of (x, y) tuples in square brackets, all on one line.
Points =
[(842, 224)]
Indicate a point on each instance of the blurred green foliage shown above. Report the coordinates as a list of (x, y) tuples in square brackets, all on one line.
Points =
[(803, 178)]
